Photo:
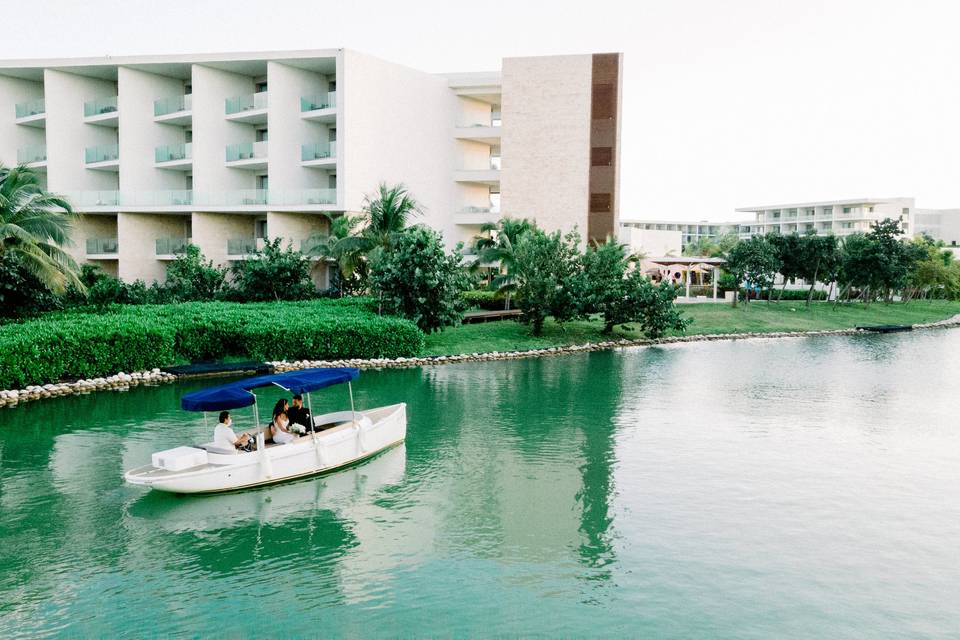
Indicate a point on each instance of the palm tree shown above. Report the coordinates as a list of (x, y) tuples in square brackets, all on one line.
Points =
[(339, 246), (498, 246), (34, 225), (386, 214)]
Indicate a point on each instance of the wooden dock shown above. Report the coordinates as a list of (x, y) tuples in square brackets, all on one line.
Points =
[(473, 317)]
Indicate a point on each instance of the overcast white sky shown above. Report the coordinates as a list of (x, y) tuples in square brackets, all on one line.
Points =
[(727, 103)]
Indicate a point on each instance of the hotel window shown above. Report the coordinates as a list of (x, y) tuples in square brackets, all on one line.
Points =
[(332, 86), (828, 210), (263, 182), (870, 209), (496, 118), (262, 135), (905, 211), (260, 87), (495, 157), (847, 209), (260, 229), (601, 156), (601, 202), (332, 181)]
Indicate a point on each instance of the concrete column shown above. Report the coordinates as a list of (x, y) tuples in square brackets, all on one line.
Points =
[(716, 276), (688, 282), (212, 132), (212, 230)]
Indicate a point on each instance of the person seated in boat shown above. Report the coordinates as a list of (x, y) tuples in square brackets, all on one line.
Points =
[(281, 429), (223, 435), (299, 414)]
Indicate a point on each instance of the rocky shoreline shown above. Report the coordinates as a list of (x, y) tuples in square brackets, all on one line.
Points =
[(123, 381)]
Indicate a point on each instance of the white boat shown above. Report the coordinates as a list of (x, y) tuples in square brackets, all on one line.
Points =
[(338, 440)]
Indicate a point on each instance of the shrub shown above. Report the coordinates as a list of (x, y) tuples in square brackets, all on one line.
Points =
[(418, 281), (21, 293), (795, 294), (79, 344), (275, 274), (190, 277), (545, 268), (488, 300)]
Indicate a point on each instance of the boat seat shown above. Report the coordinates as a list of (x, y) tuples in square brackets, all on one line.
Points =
[(211, 447)]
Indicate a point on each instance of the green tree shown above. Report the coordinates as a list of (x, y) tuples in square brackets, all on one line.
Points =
[(819, 260), (190, 277), (385, 218), (274, 273), (545, 265), (352, 270), (34, 225), (789, 253), (704, 246), (753, 261), (606, 284), (21, 293), (498, 247), (420, 282)]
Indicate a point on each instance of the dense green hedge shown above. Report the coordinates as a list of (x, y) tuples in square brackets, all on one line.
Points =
[(489, 300), (127, 338), (791, 294)]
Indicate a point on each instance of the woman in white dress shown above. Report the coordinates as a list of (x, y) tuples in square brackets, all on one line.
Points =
[(281, 429)]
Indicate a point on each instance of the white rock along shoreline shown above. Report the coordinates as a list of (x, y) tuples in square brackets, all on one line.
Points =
[(123, 381)]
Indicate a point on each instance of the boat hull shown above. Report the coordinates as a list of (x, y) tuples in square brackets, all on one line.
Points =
[(348, 443)]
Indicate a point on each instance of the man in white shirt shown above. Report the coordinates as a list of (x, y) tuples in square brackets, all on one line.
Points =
[(223, 435)]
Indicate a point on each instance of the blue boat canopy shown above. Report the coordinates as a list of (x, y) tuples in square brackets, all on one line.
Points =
[(239, 394)]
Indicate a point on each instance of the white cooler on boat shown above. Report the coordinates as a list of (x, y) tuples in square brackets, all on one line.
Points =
[(179, 458)]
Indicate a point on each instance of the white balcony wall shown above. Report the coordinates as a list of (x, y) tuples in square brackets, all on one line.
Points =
[(288, 131), (212, 230), (407, 129), (70, 135), (137, 235), (140, 135), (473, 112), (14, 136), (545, 140), (212, 132)]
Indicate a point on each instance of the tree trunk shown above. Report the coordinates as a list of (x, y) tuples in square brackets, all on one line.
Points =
[(816, 272), (782, 289)]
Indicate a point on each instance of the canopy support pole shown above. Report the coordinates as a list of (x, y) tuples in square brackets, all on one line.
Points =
[(310, 409), (256, 412), (205, 428), (353, 411)]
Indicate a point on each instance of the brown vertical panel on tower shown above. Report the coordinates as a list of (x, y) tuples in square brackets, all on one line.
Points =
[(604, 205)]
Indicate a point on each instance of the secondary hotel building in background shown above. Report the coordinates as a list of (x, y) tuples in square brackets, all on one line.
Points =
[(839, 217), (224, 150)]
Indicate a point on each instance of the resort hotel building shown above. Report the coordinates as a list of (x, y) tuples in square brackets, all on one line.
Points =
[(223, 151), (838, 217)]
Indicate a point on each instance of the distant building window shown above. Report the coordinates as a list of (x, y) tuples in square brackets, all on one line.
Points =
[(870, 209), (601, 156), (603, 105), (846, 209), (601, 202), (905, 211), (828, 209)]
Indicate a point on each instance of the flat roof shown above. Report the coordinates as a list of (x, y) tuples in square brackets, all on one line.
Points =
[(799, 205)]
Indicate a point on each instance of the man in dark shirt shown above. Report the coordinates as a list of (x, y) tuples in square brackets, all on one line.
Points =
[(299, 414)]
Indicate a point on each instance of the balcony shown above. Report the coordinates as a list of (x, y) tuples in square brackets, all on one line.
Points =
[(177, 110), (244, 248), (102, 111), (477, 215), (104, 157), (251, 156), (174, 156), (170, 248), (321, 107), (102, 248), (486, 133), (34, 156), (187, 201), (490, 177), (31, 114), (250, 108), (320, 154)]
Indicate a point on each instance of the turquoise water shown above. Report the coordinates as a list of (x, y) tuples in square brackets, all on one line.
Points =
[(792, 489)]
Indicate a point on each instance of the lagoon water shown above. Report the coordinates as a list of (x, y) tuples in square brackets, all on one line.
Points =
[(754, 489)]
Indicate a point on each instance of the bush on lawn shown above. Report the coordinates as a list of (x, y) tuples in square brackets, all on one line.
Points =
[(486, 300), (125, 338)]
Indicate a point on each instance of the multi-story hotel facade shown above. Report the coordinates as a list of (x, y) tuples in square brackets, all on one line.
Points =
[(222, 151), (837, 217)]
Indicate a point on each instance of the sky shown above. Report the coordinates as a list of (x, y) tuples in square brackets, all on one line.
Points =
[(726, 103)]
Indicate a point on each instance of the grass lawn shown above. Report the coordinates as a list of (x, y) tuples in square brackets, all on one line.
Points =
[(508, 335)]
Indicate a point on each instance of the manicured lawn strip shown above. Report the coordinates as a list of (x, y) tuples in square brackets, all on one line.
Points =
[(708, 319)]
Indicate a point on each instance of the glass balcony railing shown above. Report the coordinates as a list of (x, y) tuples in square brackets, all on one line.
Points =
[(201, 199), (166, 106), (249, 102), (33, 153), (172, 246), (308, 245), (99, 107), (102, 153), (318, 101), (480, 210), (246, 151), (32, 108), (318, 151), (172, 152), (241, 246), (96, 246)]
